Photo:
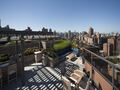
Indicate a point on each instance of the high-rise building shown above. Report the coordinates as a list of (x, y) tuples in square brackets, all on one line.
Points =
[(44, 30), (108, 49), (113, 42), (118, 45), (66, 35), (69, 34), (50, 30), (91, 31)]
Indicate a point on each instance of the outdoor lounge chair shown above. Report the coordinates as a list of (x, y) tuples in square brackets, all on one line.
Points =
[(75, 77), (67, 85), (78, 72)]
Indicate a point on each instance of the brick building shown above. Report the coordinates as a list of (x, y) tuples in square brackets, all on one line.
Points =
[(113, 42), (98, 38), (105, 48), (108, 49), (118, 45)]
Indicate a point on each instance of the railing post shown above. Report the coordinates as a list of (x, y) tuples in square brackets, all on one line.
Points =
[(113, 70), (91, 58), (22, 59), (16, 47), (39, 43)]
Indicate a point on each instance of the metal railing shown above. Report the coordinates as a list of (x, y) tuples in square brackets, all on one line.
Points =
[(109, 71)]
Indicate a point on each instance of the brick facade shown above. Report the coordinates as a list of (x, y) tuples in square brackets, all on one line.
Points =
[(97, 78), (113, 42), (118, 46), (108, 49), (105, 48), (88, 68)]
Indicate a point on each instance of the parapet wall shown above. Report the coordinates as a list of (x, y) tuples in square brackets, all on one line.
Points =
[(97, 78)]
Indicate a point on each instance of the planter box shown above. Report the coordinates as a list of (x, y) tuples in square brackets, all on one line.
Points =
[(5, 73), (45, 60), (44, 44), (4, 68), (38, 56), (4, 62), (47, 44), (13, 59), (29, 59)]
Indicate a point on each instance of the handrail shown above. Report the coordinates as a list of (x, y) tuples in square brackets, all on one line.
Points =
[(102, 75), (113, 65), (101, 57)]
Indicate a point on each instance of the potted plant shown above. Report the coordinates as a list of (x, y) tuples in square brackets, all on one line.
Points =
[(52, 57), (29, 55)]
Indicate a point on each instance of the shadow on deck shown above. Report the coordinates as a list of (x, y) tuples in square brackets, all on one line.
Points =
[(37, 77)]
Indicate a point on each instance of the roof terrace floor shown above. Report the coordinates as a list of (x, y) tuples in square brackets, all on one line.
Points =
[(37, 77)]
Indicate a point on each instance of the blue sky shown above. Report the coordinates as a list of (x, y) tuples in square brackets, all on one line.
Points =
[(62, 15)]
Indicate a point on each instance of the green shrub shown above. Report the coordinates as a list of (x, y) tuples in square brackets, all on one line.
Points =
[(27, 41), (4, 57), (113, 60), (12, 43), (58, 45), (115, 53), (36, 40), (50, 52), (29, 51), (61, 45), (74, 43)]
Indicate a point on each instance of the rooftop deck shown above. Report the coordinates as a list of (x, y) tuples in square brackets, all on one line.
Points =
[(38, 77)]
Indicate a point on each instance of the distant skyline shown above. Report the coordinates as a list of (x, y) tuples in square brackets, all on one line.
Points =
[(62, 15)]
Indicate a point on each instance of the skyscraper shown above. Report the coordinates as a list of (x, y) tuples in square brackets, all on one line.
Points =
[(91, 31)]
